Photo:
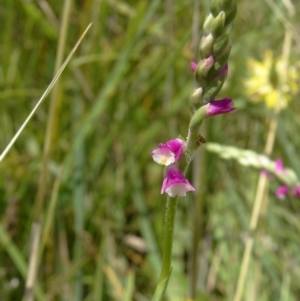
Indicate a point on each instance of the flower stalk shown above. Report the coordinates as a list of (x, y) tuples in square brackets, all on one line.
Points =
[(210, 74), (262, 183), (168, 237)]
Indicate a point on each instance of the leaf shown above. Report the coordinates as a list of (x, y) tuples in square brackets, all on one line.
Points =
[(160, 289)]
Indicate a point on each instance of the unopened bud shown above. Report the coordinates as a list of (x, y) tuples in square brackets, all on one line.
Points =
[(206, 45), (208, 22), (216, 26), (196, 99), (228, 6), (204, 66), (197, 93), (193, 66)]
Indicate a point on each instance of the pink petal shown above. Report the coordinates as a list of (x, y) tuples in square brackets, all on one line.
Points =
[(175, 183)]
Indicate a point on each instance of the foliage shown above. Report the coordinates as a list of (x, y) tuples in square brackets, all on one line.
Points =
[(126, 88)]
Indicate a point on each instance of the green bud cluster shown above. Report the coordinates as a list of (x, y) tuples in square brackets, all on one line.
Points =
[(214, 51), (210, 71)]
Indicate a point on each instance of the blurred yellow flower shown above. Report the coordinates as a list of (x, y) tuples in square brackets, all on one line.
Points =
[(263, 83)]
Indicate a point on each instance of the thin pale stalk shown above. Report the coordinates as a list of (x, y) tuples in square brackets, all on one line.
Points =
[(49, 218), (18, 260), (78, 199), (262, 183), (53, 114), (18, 133), (47, 91), (249, 241), (33, 261), (198, 177), (43, 180)]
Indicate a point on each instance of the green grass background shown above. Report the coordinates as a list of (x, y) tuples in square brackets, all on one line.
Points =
[(125, 90)]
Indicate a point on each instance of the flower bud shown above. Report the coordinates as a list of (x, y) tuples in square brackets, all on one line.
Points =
[(197, 93), (193, 66), (196, 99), (204, 66), (228, 6), (217, 107), (216, 26), (175, 183), (206, 45), (208, 22)]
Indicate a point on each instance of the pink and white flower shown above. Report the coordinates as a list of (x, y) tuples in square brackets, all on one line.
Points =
[(217, 107), (169, 152), (175, 183), (281, 192)]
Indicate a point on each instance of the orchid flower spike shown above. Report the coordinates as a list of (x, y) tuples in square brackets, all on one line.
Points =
[(169, 152), (217, 107), (175, 183)]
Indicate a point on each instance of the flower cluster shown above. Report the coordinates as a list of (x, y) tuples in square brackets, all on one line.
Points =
[(167, 154), (212, 68), (283, 190), (214, 49), (210, 74)]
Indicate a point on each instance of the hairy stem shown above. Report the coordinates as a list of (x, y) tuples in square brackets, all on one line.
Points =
[(168, 237)]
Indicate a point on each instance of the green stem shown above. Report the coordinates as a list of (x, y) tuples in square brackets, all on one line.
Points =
[(168, 237), (191, 146)]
